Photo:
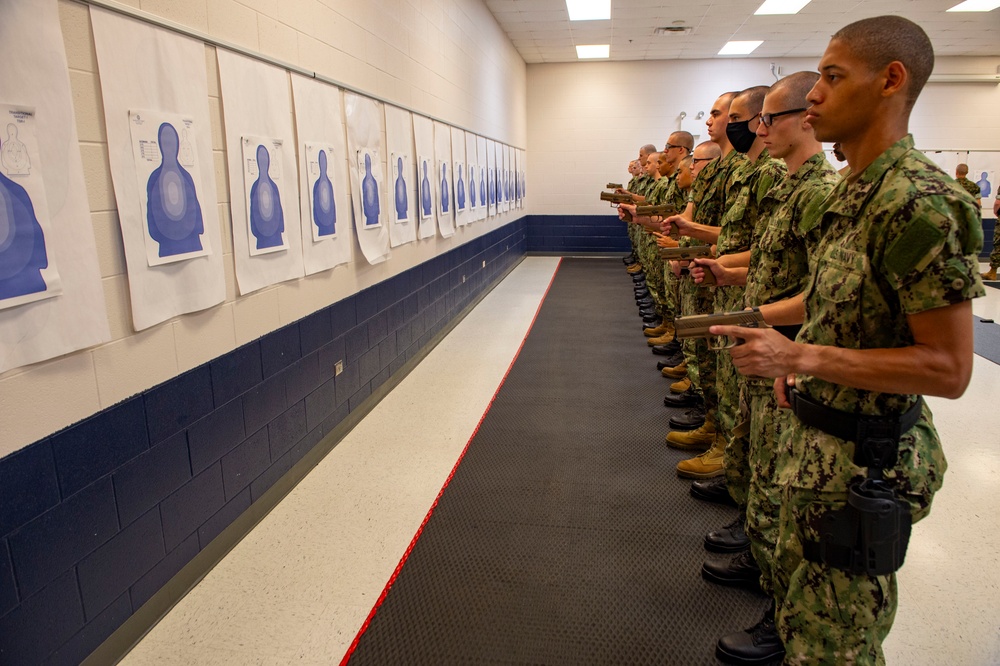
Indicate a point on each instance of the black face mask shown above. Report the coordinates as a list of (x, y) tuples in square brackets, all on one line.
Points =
[(740, 136)]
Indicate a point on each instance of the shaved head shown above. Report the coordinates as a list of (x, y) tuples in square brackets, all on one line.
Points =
[(683, 139), (881, 40), (794, 88), (752, 98), (708, 149)]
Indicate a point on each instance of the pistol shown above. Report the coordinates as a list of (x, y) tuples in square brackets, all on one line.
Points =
[(696, 326), (687, 254), (616, 198), (614, 186), (662, 210)]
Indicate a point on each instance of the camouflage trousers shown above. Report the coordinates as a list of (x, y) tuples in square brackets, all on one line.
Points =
[(825, 615), (995, 254), (699, 357), (763, 493), (652, 266), (671, 293), (728, 382)]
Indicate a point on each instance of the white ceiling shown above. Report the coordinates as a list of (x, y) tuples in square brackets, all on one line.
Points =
[(542, 32)]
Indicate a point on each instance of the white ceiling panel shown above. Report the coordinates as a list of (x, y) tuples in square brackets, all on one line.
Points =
[(542, 32)]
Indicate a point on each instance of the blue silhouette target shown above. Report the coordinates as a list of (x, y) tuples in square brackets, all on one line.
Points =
[(445, 194), (324, 205), (369, 195), (402, 205), (460, 188), (472, 187), (267, 221), (482, 186), (22, 243), (425, 191), (173, 214), (984, 185)]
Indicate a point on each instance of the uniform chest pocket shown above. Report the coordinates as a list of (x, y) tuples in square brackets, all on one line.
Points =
[(841, 276)]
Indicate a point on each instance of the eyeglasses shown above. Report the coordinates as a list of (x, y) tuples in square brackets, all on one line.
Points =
[(768, 118), (702, 159), (670, 145)]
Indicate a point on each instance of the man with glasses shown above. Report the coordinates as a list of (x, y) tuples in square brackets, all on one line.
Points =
[(679, 145), (886, 316)]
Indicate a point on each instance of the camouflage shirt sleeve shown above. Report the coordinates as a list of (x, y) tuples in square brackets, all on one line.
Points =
[(931, 261)]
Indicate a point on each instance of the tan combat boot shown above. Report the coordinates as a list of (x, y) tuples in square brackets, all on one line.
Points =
[(680, 385), (693, 440), (664, 338), (706, 465), (678, 372), (658, 330), (990, 275), (634, 268)]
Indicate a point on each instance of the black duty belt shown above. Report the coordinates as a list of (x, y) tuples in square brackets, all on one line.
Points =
[(858, 428)]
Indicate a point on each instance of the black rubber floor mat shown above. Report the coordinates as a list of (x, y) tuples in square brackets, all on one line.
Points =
[(565, 535)]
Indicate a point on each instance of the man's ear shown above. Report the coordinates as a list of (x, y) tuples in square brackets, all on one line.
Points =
[(895, 79)]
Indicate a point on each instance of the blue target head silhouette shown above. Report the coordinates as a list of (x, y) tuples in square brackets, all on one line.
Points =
[(173, 214), (267, 220), (324, 206), (425, 191), (445, 195), (369, 195), (402, 205)]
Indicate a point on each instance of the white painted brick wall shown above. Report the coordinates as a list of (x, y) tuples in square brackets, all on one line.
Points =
[(433, 55)]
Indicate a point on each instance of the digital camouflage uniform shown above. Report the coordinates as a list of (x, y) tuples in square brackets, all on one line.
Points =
[(995, 253), (651, 262), (677, 197), (969, 187), (636, 186), (748, 184), (786, 228), (697, 299), (692, 297), (644, 184), (899, 240)]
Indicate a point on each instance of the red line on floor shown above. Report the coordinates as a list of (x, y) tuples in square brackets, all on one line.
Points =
[(413, 541)]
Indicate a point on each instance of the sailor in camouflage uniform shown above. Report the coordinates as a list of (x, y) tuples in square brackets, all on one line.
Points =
[(961, 177), (706, 206), (995, 254), (666, 192), (886, 316)]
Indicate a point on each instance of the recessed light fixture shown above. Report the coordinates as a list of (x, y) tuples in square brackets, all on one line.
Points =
[(590, 51), (589, 10), (976, 6), (739, 48), (781, 7)]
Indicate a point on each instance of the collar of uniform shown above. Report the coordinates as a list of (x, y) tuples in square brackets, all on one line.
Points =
[(851, 195), (787, 186)]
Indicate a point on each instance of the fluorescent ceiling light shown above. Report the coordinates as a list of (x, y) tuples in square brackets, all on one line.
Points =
[(739, 48), (976, 6), (593, 51), (781, 6), (588, 10)]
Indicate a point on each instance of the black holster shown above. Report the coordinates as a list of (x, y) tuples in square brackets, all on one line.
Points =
[(869, 535)]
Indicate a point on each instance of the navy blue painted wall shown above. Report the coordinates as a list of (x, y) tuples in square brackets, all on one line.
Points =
[(988, 226), (576, 234), (97, 517)]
